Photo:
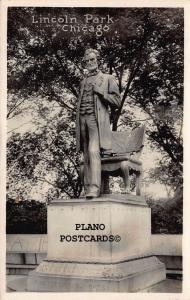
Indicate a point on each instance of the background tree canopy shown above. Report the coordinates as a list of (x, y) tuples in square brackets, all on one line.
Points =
[(143, 49)]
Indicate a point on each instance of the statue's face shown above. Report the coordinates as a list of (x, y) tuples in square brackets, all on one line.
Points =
[(91, 62)]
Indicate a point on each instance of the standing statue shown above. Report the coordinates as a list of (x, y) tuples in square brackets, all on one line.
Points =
[(98, 92)]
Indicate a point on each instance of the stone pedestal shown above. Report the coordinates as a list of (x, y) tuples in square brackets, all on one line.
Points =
[(99, 245)]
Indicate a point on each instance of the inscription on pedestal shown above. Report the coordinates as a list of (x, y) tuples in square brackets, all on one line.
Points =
[(97, 270)]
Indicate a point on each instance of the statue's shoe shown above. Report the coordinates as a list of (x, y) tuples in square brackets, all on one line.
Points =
[(92, 194)]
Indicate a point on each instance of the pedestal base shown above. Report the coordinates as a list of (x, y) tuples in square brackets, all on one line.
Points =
[(102, 245), (129, 276)]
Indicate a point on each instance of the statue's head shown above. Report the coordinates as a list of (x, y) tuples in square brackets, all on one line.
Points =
[(91, 57)]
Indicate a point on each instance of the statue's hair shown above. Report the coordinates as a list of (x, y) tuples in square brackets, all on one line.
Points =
[(90, 50)]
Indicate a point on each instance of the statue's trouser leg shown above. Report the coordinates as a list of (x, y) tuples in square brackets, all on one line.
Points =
[(92, 152), (84, 136)]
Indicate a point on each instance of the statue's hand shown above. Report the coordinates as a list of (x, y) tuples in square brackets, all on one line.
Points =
[(105, 95)]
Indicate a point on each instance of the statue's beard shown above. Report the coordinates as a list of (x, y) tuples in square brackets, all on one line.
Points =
[(93, 72)]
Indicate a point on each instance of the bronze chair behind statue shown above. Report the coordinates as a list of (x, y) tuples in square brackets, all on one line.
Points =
[(123, 160)]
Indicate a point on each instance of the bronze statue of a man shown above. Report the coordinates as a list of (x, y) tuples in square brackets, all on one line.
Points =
[(98, 91)]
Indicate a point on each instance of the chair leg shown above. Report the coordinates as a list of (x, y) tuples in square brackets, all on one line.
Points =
[(105, 183), (138, 183), (82, 174), (125, 175)]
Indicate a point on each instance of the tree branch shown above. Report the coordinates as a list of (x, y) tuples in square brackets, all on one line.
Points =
[(18, 127), (45, 180), (66, 75), (15, 106), (134, 69)]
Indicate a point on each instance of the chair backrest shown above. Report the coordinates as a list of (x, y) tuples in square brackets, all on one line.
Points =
[(124, 142)]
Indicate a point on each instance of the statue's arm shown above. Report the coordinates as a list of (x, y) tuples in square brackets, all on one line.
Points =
[(113, 95)]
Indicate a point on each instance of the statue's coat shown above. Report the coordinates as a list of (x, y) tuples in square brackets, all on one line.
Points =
[(106, 93)]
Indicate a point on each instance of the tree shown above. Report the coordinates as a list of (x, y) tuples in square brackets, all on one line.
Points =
[(144, 51)]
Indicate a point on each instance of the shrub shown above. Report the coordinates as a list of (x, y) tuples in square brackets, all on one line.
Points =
[(26, 217), (167, 215)]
